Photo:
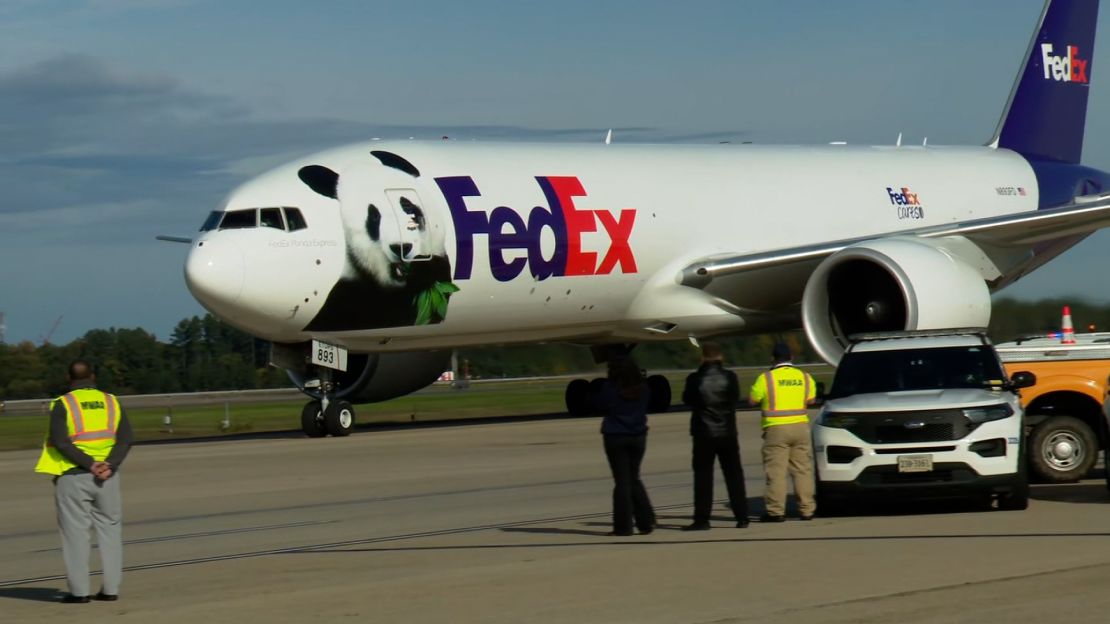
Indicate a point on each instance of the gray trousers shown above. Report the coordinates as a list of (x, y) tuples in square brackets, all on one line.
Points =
[(83, 502)]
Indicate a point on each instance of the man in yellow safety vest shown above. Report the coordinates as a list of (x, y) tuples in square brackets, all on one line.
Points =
[(783, 393), (88, 439)]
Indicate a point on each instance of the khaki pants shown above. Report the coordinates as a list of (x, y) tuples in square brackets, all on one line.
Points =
[(788, 448)]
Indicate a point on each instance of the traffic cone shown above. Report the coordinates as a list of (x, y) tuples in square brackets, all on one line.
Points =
[(1068, 330)]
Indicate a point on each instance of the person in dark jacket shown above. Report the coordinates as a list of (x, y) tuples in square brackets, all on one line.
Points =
[(624, 400), (712, 392)]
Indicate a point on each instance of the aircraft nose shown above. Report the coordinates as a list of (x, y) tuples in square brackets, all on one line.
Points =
[(214, 274)]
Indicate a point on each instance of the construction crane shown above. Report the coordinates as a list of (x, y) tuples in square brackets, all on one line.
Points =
[(46, 339)]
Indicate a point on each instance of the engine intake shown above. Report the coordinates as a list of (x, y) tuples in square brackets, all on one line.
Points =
[(891, 284)]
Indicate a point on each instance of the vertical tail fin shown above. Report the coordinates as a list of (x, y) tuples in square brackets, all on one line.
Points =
[(1048, 105)]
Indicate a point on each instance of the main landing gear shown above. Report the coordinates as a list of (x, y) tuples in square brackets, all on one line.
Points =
[(583, 396)]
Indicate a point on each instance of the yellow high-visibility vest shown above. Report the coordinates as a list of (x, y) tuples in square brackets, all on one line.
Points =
[(783, 393), (92, 418)]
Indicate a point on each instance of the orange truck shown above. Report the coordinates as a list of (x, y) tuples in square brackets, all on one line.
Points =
[(1065, 421)]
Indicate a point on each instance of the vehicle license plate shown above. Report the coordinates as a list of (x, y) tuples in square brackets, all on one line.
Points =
[(915, 463)]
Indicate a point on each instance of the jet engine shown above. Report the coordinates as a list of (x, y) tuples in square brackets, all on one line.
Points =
[(891, 284), (372, 377)]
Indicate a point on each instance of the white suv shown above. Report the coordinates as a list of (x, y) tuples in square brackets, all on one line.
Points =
[(926, 414)]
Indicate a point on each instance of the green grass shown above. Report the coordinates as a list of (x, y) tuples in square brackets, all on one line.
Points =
[(510, 398)]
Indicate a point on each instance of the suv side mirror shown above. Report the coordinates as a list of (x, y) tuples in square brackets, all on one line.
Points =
[(1022, 379), (819, 399)]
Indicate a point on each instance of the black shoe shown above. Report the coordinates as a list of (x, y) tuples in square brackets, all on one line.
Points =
[(806, 518), (742, 524), (71, 599), (620, 533), (770, 518), (646, 530), (697, 526), (100, 595)]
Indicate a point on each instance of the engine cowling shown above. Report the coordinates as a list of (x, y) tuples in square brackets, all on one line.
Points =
[(372, 377), (891, 284)]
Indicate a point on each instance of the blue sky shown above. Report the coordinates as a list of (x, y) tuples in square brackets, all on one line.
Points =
[(123, 119)]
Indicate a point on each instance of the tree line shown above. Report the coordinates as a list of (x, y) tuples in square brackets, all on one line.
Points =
[(204, 353)]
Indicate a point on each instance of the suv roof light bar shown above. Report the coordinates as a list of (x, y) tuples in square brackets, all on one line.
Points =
[(1088, 337), (981, 332)]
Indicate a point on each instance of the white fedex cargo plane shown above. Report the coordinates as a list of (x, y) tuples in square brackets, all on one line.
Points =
[(366, 264)]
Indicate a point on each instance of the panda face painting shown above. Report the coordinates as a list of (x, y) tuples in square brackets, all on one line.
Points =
[(398, 254), (397, 271), (374, 222)]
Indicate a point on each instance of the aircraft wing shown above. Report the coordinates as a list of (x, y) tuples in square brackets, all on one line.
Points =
[(1084, 215)]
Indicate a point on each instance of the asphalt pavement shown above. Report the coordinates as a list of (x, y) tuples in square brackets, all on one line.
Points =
[(507, 522)]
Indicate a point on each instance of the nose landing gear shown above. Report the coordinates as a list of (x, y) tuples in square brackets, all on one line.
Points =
[(323, 417), (327, 415), (312, 420)]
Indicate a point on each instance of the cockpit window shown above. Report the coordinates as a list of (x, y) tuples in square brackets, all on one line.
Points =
[(255, 217), (212, 221), (295, 219), (239, 219), (271, 217)]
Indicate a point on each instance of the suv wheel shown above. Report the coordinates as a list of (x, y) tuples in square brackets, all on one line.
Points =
[(829, 507), (1062, 450), (1106, 463), (1017, 499)]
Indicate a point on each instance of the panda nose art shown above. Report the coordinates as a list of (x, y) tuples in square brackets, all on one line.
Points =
[(214, 274), (401, 250)]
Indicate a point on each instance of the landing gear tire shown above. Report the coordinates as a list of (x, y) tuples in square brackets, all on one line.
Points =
[(597, 387), (312, 420), (339, 418), (660, 390), (577, 397), (1062, 450)]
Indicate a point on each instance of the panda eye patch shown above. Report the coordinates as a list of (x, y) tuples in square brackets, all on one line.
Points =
[(373, 222), (416, 213)]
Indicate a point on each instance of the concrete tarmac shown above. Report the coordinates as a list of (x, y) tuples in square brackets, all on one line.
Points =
[(507, 522)]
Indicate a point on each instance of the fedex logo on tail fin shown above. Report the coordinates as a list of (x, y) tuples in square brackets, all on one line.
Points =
[(514, 240), (1067, 68)]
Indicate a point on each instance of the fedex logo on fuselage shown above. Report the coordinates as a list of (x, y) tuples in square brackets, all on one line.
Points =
[(902, 197), (907, 205), (507, 231), (1067, 68)]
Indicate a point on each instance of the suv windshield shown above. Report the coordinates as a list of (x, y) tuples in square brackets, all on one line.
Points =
[(916, 369)]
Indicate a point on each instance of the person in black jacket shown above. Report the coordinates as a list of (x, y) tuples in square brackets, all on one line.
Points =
[(625, 401), (712, 392)]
